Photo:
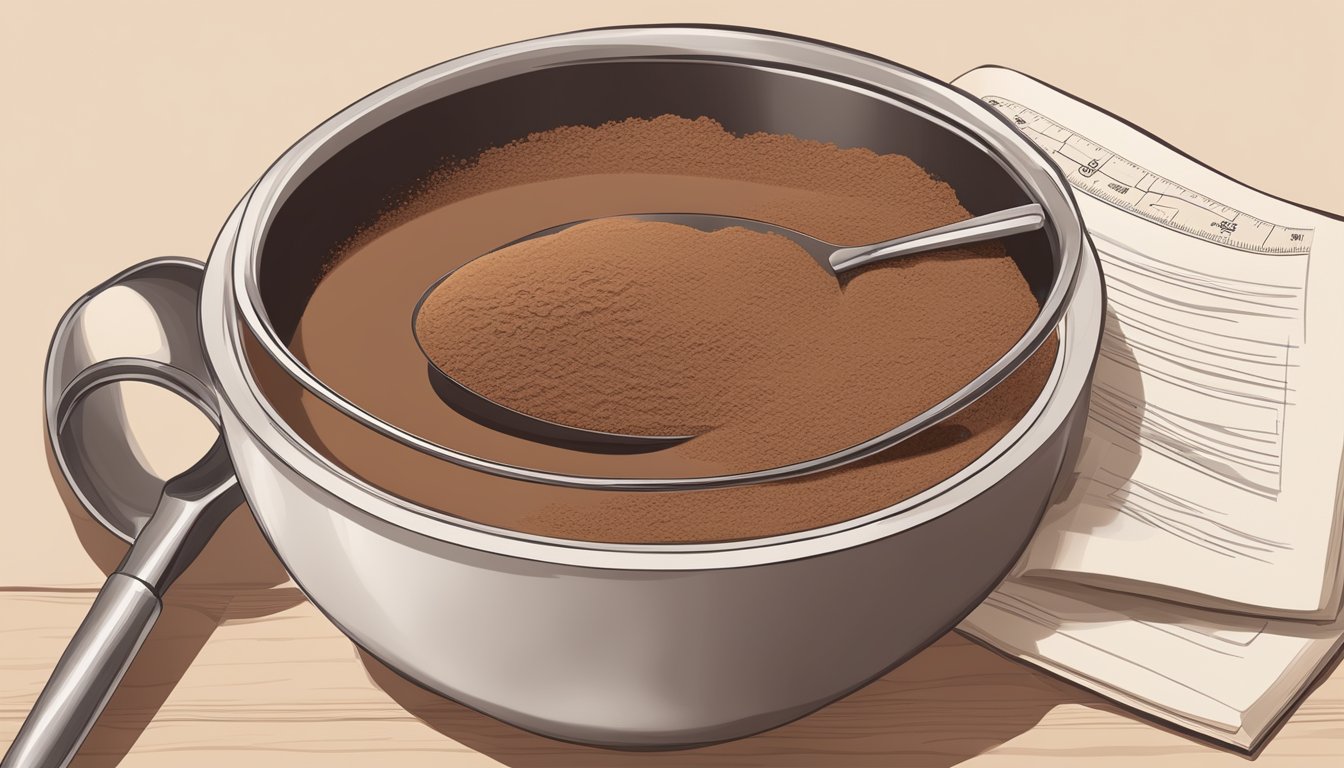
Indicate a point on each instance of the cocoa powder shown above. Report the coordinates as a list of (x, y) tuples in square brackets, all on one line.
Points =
[(736, 337)]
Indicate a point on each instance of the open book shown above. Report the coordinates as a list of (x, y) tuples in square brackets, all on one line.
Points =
[(1192, 571)]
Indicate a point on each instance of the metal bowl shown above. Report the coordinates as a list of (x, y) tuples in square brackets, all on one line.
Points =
[(619, 645)]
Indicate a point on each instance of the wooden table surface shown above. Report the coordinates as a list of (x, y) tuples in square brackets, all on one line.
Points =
[(242, 667), (130, 130)]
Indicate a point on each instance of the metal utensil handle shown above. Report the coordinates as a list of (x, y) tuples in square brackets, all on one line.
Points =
[(190, 507), (86, 675), (990, 226)]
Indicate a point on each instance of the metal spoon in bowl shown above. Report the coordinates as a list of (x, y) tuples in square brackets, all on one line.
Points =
[(833, 258)]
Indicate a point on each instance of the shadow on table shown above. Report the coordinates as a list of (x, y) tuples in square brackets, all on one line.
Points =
[(949, 703), (237, 576)]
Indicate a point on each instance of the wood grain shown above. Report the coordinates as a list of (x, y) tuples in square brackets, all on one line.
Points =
[(250, 671)]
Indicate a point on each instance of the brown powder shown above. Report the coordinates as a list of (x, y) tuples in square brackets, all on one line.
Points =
[(734, 336), (864, 189), (737, 337), (634, 327)]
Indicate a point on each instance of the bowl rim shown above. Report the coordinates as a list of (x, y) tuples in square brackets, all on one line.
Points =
[(226, 295), (972, 121)]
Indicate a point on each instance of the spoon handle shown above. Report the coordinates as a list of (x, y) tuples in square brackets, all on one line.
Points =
[(191, 506), (86, 675), (990, 226), (102, 649)]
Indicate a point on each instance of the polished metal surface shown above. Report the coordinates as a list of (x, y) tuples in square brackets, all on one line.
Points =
[(829, 256), (156, 302), (977, 229), (141, 324), (632, 645)]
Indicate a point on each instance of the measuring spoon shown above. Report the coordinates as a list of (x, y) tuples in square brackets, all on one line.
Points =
[(833, 258)]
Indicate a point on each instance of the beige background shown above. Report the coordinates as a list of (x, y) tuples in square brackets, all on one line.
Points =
[(129, 130)]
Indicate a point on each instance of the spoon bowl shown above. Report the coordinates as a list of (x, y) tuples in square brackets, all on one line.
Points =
[(835, 259)]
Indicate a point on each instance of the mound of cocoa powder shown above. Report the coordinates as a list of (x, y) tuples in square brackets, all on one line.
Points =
[(642, 328), (733, 336)]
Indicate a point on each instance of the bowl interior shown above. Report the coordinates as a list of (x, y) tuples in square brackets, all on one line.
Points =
[(345, 173), (356, 184)]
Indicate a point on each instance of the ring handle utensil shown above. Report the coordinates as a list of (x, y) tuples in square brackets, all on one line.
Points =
[(137, 326)]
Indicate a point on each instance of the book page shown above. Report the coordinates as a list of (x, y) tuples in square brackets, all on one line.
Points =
[(1230, 678), (1216, 428)]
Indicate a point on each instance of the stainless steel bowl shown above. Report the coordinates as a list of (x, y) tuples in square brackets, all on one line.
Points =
[(619, 645)]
